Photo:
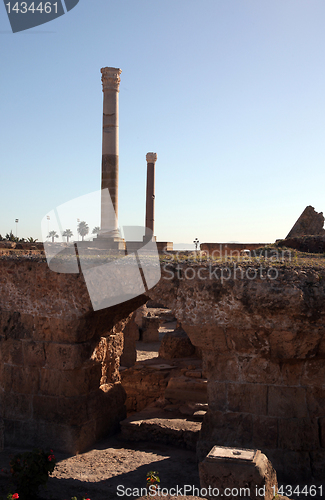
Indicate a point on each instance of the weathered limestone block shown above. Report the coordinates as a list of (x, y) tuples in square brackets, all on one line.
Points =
[(287, 402), (108, 353), (63, 356), (140, 313), (176, 345), (143, 385), (316, 401), (238, 472), (70, 382), (241, 398), (298, 434), (293, 465), (151, 329), (130, 335), (186, 389)]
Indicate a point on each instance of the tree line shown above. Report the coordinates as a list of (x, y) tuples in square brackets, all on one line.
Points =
[(82, 229)]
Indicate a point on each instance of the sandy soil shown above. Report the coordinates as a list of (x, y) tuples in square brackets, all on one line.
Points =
[(112, 463), (148, 350)]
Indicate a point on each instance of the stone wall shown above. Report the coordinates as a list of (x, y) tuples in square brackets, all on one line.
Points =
[(216, 250), (309, 244), (143, 385), (263, 348), (59, 379)]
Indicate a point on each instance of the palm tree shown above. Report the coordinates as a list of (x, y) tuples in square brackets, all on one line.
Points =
[(83, 229), (68, 233), (52, 234), (12, 237), (96, 230)]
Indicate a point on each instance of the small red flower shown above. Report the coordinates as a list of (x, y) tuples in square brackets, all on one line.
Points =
[(14, 496)]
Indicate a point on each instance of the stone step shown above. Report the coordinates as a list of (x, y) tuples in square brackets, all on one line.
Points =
[(187, 389), (164, 426)]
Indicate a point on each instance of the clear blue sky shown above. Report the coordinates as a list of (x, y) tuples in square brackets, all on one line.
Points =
[(228, 93)]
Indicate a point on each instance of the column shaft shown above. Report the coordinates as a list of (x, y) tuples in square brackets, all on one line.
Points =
[(110, 149), (150, 196)]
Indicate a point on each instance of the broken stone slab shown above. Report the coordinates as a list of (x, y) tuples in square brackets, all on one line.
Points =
[(241, 472), (151, 329)]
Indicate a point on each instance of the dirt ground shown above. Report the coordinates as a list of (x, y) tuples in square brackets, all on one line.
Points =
[(112, 466), (114, 463)]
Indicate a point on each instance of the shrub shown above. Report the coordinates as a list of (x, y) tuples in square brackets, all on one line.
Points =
[(30, 470)]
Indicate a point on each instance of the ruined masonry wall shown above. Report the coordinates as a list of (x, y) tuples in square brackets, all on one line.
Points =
[(59, 379), (263, 348)]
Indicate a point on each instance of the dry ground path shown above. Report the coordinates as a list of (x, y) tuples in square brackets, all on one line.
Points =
[(112, 466)]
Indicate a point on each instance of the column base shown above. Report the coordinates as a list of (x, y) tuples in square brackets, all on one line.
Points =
[(165, 246), (109, 242)]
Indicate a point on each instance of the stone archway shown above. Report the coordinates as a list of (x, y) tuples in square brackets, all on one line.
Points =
[(263, 349)]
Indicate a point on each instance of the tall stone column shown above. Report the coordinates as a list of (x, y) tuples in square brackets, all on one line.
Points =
[(110, 150), (150, 199)]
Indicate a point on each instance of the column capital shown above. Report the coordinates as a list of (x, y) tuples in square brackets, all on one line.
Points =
[(151, 157), (111, 78)]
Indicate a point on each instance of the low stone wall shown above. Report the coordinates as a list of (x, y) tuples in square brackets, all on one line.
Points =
[(263, 348), (216, 250), (143, 385), (59, 378)]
